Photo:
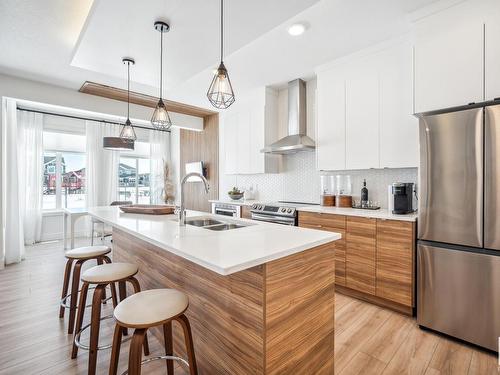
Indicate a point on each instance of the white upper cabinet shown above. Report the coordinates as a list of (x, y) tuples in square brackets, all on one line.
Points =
[(362, 116), (248, 126), (398, 126), (449, 59), (365, 111), (330, 128)]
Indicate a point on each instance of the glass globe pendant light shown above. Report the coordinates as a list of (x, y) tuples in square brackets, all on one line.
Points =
[(161, 119), (220, 93), (126, 140)]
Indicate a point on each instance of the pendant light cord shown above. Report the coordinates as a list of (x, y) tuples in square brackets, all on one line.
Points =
[(221, 30), (161, 62), (128, 90)]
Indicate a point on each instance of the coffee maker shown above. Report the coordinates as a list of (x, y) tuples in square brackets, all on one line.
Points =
[(402, 196)]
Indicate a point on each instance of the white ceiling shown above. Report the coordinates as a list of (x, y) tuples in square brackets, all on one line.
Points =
[(67, 42)]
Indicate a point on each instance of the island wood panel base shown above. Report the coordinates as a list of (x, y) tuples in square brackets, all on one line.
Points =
[(270, 319)]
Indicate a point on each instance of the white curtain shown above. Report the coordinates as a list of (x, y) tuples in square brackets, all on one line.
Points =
[(159, 142), (102, 165), (22, 179)]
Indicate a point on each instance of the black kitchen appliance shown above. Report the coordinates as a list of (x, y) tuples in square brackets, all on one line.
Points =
[(402, 193)]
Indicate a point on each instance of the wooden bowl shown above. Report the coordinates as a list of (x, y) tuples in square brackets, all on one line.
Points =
[(343, 200)]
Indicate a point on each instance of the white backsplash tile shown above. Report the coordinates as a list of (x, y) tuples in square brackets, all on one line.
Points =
[(300, 181)]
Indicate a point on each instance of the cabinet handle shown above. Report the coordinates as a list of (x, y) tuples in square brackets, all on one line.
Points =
[(319, 226)]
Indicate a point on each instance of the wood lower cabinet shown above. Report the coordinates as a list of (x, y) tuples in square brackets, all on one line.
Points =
[(395, 259), (361, 254), (332, 223), (374, 260), (245, 212)]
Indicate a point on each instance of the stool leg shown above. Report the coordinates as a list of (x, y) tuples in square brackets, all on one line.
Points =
[(74, 295), (94, 327), (167, 336), (137, 289), (114, 298), (135, 354), (79, 319), (67, 275), (122, 291), (188, 338), (115, 350), (100, 260)]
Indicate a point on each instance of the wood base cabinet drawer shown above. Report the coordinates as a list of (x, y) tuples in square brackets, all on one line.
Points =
[(360, 254), (332, 223), (395, 260)]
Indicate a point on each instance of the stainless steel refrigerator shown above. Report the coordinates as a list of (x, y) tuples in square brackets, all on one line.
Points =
[(458, 249)]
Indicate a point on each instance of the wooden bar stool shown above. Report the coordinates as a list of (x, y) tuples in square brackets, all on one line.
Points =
[(101, 276), (80, 255), (149, 309)]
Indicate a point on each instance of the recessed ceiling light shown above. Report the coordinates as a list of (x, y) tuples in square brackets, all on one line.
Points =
[(296, 29)]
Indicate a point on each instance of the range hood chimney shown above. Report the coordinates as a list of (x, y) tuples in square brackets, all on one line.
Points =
[(296, 140)]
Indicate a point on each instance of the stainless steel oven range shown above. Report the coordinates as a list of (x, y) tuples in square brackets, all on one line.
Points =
[(281, 212)]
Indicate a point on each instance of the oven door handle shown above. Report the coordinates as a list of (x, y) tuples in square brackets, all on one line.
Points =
[(225, 210), (273, 219)]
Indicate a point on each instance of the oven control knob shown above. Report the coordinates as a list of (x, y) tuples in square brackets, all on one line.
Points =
[(289, 211)]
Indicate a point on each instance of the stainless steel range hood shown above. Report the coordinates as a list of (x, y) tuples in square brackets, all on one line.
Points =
[(297, 140)]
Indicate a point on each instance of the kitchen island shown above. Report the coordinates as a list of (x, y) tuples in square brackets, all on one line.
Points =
[(261, 295)]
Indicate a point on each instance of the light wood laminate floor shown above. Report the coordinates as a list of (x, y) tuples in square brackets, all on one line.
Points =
[(368, 339)]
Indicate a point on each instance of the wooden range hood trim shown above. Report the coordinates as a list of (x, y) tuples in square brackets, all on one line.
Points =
[(115, 93)]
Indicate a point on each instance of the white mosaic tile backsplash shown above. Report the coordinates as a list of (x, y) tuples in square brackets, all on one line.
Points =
[(300, 181)]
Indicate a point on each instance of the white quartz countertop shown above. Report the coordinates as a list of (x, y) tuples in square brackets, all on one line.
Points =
[(375, 214), (224, 252)]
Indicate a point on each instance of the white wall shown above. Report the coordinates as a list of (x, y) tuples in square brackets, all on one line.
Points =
[(298, 179)]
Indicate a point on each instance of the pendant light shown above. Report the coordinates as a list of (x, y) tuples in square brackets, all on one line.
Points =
[(220, 93), (126, 140), (161, 119)]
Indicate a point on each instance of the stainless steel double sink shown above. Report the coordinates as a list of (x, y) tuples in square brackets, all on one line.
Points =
[(212, 224)]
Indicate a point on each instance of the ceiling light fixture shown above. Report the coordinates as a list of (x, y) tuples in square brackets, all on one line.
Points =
[(220, 92), (126, 140), (161, 119), (296, 29)]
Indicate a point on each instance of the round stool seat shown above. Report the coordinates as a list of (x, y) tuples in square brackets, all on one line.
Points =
[(87, 252), (150, 308), (107, 273)]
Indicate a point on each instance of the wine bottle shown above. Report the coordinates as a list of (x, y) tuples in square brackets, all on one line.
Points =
[(364, 195)]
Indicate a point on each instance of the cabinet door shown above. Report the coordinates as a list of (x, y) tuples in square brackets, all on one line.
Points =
[(362, 117), (398, 126), (243, 143), (231, 143), (449, 60), (330, 130), (332, 223), (256, 140), (360, 254), (395, 259)]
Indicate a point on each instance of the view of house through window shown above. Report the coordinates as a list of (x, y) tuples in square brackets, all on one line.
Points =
[(63, 180), (133, 184)]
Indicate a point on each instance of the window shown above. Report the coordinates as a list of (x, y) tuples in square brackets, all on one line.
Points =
[(133, 180), (63, 180)]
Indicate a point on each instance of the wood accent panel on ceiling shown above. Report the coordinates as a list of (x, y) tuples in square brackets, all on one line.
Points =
[(116, 93), (201, 146), (271, 319), (395, 259), (360, 254)]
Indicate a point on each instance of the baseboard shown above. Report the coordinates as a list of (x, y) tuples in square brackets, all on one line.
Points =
[(407, 310), (59, 236)]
